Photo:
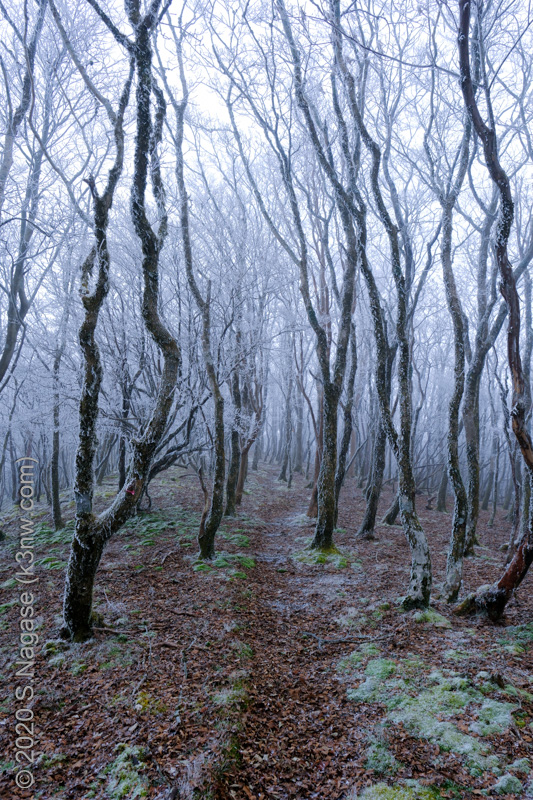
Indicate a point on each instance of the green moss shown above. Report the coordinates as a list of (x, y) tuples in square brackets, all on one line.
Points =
[(380, 668), (520, 765), (432, 617), (523, 633), (124, 781), (332, 557), (236, 574), (145, 702), (380, 759), (46, 761), (234, 696), (493, 717), (240, 539), (508, 784), (397, 792), (350, 662), (245, 561), (202, 566), (429, 714)]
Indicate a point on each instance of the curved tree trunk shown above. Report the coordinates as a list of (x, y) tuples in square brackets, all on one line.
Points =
[(235, 458), (494, 600), (92, 533)]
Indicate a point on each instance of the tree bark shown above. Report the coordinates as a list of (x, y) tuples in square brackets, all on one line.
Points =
[(235, 458)]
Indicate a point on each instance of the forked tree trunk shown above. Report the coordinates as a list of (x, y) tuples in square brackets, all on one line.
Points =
[(92, 533)]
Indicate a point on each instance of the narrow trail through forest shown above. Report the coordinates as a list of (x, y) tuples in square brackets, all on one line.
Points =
[(272, 671)]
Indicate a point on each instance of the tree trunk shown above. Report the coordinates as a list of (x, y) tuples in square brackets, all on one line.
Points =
[(92, 533), (323, 539), (312, 509), (235, 459), (366, 529), (443, 490), (348, 423), (298, 443), (288, 433), (54, 468), (206, 534)]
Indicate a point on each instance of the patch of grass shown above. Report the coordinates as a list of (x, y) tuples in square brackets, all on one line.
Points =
[(124, 778), (233, 697), (235, 537), (432, 617), (44, 535), (352, 618), (46, 761), (51, 562), (507, 784), (243, 650), (350, 663), (411, 790), (380, 760), (5, 607), (229, 561), (145, 702), (427, 708), (332, 557)]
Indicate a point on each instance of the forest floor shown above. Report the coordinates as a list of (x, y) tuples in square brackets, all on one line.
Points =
[(269, 674)]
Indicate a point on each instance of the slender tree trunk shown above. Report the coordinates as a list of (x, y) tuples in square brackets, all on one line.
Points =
[(298, 443), (348, 423), (56, 503), (454, 561), (366, 529), (443, 490), (288, 433), (312, 509), (323, 539), (495, 485), (235, 458)]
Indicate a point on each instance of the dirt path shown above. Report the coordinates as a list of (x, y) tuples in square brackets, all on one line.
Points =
[(301, 736)]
